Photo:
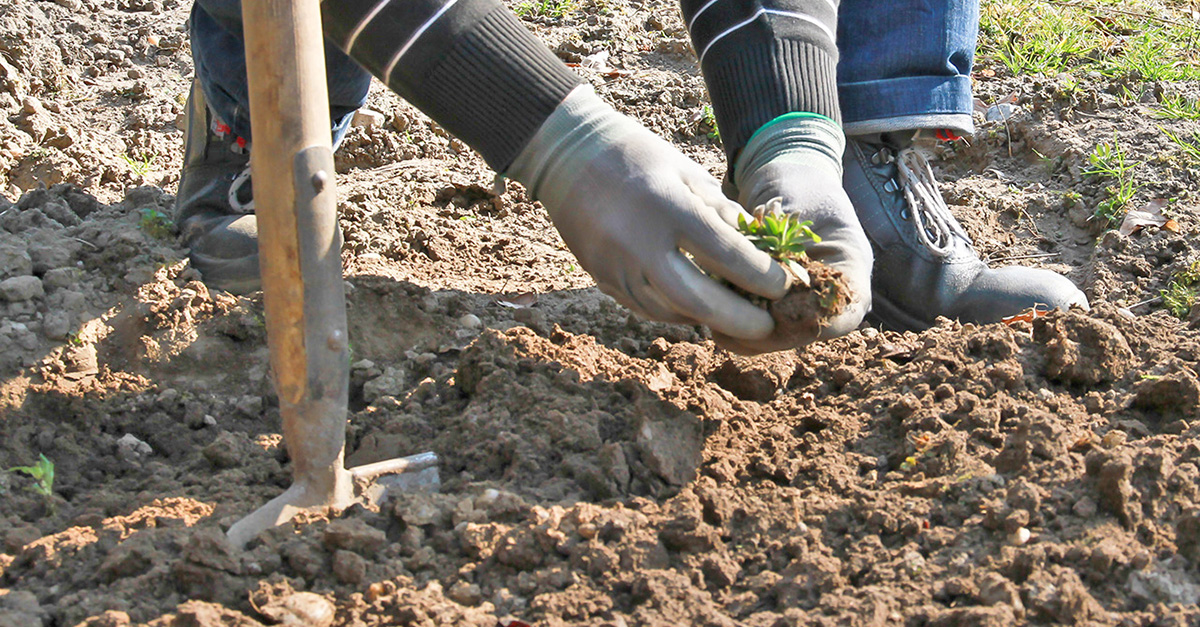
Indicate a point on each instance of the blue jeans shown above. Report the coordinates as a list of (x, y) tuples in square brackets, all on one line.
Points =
[(905, 64), (219, 53)]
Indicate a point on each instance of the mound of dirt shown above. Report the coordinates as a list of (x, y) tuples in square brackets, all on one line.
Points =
[(597, 469)]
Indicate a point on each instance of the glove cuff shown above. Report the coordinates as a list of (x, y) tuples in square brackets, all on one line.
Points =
[(800, 138), (580, 127), (468, 64)]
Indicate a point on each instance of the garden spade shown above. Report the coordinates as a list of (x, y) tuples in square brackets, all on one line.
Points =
[(300, 253)]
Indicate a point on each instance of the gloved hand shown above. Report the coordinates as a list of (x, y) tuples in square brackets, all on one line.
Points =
[(628, 204), (798, 157)]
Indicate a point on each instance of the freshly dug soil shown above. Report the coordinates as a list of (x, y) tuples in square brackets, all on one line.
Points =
[(597, 469)]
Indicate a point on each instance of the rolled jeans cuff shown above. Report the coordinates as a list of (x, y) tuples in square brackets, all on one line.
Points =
[(898, 104)]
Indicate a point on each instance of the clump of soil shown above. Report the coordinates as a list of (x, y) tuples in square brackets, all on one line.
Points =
[(809, 305)]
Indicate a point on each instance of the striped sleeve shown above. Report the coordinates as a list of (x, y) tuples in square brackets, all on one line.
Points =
[(468, 64), (764, 58)]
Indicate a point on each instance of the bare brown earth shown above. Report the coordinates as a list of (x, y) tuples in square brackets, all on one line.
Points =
[(598, 469)]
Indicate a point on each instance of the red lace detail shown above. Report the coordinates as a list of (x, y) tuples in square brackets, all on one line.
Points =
[(947, 135)]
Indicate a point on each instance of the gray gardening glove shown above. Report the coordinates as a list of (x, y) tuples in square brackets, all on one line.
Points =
[(628, 204), (798, 157)]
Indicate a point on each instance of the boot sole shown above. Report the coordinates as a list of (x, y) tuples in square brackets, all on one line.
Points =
[(236, 276)]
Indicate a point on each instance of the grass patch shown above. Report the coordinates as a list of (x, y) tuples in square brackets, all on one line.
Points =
[(545, 8), (1140, 40), (1189, 147), (1178, 108), (1181, 293), (140, 164)]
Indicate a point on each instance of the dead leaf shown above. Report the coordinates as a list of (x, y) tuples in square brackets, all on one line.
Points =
[(1026, 316), (1150, 215), (517, 301)]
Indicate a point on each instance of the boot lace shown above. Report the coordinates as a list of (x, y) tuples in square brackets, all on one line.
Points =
[(235, 189), (237, 145), (935, 226)]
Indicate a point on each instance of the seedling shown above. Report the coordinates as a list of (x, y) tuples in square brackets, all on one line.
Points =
[(155, 223), (709, 120), (817, 291), (42, 473), (1183, 291), (782, 235), (1108, 161), (140, 165)]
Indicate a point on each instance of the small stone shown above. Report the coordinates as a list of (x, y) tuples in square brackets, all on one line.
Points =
[(223, 451), (367, 118), (354, 535), (56, 325), (587, 531), (300, 608), (1020, 536), (1113, 439), (21, 288), (209, 421), (470, 321), (129, 446), (465, 593)]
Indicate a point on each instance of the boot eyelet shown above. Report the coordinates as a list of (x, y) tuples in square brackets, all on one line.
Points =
[(905, 214), (891, 186)]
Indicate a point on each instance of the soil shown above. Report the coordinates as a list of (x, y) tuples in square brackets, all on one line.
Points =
[(597, 469)]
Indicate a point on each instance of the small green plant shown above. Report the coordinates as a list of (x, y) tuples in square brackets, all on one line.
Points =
[(545, 8), (708, 120), (140, 165), (155, 223), (1178, 107), (1190, 147), (42, 473), (1182, 292), (1109, 161), (782, 235)]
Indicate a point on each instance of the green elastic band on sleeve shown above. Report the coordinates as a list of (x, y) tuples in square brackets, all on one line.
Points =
[(795, 115)]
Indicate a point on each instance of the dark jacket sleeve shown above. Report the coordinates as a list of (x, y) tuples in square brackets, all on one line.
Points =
[(764, 58), (468, 64)]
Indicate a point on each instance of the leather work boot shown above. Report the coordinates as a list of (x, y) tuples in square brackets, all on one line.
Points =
[(925, 264), (214, 208)]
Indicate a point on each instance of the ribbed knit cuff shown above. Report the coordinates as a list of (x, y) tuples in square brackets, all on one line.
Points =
[(750, 85), (470, 65)]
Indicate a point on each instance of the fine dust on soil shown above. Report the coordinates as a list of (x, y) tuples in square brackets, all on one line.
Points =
[(598, 469)]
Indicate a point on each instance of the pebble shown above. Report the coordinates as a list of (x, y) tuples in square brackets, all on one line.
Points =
[(470, 321), (21, 288), (1020, 536), (1111, 440), (367, 118), (300, 608), (130, 446)]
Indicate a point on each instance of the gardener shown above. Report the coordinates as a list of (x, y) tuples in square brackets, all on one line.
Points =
[(835, 141)]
